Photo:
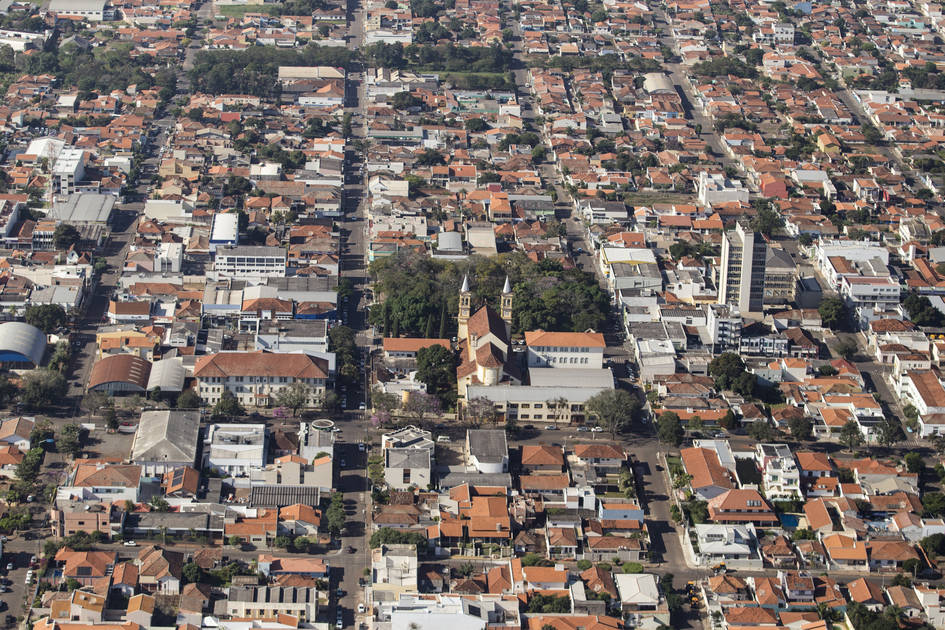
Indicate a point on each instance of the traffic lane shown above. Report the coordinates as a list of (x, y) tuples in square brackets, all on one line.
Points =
[(353, 556), (19, 552)]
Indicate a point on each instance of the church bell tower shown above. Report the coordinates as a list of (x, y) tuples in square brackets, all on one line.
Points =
[(465, 306), (505, 307)]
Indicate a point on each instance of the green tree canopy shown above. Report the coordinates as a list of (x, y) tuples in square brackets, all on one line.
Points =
[(613, 409), (46, 317)]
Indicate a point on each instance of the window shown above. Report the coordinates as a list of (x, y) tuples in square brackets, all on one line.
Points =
[(406, 477)]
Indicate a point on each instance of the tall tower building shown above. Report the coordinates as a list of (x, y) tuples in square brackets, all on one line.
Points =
[(465, 306), (505, 306), (742, 272)]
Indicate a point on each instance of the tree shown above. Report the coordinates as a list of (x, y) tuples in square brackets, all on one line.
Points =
[(69, 440), (390, 536), (335, 514), (420, 404), (228, 405), (613, 409), (850, 435), (296, 397), (383, 401), (725, 369), (669, 429), (188, 399), (193, 574), (728, 421), (801, 427), (94, 401), (846, 348), (767, 221), (46, 317), (481, 410), (890, 432), (833, 312), (43, 388), (7, 390), (111, 419), (29, 466), (65, 236), (234, 541), (159, 504), (914, 462), (436, 367), (761, 431)]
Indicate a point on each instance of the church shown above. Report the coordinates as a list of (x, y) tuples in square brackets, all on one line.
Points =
[(485, 345)]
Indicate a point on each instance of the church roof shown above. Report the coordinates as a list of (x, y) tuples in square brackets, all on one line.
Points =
[(485, 321)]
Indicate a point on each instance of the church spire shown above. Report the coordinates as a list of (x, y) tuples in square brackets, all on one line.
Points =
[(507, 288), (465, 287)]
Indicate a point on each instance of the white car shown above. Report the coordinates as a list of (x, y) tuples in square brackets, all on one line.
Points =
[(130, 543), (361, 608), (596, 429)]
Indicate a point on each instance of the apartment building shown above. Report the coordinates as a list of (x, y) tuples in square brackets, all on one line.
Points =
[(68, 171), (269, 602), (742, 280)]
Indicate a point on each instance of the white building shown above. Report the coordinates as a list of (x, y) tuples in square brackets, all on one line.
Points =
[(656, 357), (224, 231), (487, 450), (735, 545), (742, 270), (235, 449), (68, 170), (924, 390), (408, 458), (393, 571), (870, 292), (641, 600), (244, 261), (723, 327), (583, 350), (716, 188), (780, 475), (257, 378), (91, 10)]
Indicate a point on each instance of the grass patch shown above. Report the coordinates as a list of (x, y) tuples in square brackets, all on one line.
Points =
[(479, 80), (649, 198), (239, 10)]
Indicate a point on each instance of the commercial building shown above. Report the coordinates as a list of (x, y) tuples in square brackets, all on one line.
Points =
[(742, 279), (120, 373), (225, 231), (91, 10), (165, 440), (235, 449), (250, 261), (83, 209)]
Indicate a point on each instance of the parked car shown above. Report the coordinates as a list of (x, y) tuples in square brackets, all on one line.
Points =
[(9, 566), (130, 543), (361, 607)]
